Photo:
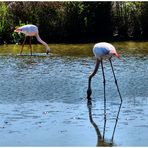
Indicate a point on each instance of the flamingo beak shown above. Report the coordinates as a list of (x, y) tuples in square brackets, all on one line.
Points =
[(17, 30), (117, 55)]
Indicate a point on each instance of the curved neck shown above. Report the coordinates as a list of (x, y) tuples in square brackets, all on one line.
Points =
[(42, 42)]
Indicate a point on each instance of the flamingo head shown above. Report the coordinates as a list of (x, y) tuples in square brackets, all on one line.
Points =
[(116, 55), (47, 50), (18, 30)]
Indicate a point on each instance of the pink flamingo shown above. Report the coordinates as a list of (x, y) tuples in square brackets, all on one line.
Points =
[(101, 51), (31, 30)]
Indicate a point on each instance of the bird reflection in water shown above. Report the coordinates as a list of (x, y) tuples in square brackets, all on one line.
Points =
[(101, 141)]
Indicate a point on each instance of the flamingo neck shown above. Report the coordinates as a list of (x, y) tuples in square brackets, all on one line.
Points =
[(42, 42)]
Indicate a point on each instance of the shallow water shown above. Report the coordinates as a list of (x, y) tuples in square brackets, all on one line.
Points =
[(43, 98)]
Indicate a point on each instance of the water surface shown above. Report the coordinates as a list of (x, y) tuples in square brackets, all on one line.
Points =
[(43, 98)]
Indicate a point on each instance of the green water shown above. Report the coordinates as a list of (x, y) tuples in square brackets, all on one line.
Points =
[(43, 97), (78, 49)]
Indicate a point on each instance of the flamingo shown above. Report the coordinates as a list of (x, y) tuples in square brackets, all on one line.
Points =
[(31, 30), (102, 51)]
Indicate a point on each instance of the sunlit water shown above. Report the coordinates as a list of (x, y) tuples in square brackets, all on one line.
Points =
[(43, 98)]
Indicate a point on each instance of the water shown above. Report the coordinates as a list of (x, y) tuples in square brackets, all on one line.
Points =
[(43, 98)]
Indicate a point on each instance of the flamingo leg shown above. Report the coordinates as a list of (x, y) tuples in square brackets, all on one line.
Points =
[(89, 91), (30, 45), (120, 99), (104, 99), (23, 45), (115, 79), (116, 121)]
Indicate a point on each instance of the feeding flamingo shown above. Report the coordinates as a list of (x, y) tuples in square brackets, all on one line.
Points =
[(101, 51), (31, 30)]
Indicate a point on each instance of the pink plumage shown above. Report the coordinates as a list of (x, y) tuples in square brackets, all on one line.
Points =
[(31, 30), (104, 50)]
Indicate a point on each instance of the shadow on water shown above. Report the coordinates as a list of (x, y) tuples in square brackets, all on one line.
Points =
[(101, 141)]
